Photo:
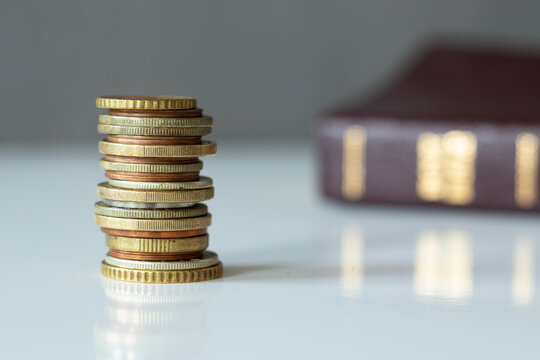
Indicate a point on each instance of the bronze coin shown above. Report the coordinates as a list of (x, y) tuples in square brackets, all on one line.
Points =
[(155, 140), (186, 113), (152, 177), (155, 234), (143, 256), (142, 160)]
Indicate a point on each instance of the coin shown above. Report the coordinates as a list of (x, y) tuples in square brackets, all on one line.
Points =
[(162, 102), (203, 182), (150, 168), (156, 177), (154, 234), (154, 140), (151, 160), (188, 244), (204, 149), (143, 256), (152, 131), (181, 113), (208, 258), (203, 121), (163, 276), (101, 208), (106, 191), (139, 205), (191, 223)]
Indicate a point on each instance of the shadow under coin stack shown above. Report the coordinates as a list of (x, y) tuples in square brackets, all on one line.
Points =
[(150, 212)]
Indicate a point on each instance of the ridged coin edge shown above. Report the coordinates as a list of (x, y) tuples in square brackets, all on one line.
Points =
[(162, 276)]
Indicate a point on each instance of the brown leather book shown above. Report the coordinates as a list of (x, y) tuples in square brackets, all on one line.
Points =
[(461, 128)]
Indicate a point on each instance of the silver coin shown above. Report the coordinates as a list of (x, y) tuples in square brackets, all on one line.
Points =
[(138, 205), (203, 182), (155, 121), (150, 168), (101, 209), (209, 258)]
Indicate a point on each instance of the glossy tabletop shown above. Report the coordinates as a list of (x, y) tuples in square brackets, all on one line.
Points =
[(304, 277)]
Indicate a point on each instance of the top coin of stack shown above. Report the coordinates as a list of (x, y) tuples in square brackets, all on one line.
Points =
[(155, 226)]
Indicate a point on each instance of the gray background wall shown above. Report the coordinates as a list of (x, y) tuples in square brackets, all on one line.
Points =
[(261, 68)]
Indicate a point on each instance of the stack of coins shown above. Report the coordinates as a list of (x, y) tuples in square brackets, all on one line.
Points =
[(154, 224)]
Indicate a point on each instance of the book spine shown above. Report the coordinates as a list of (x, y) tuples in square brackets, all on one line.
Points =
[(448, 163)]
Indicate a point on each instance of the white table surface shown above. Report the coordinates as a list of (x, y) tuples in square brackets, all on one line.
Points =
[(304, 277)]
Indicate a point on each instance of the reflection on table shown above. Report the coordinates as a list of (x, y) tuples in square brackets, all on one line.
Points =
[(443, 265), (152, 321)]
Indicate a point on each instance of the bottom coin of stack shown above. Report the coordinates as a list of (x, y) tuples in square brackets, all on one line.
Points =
[(145, 245)]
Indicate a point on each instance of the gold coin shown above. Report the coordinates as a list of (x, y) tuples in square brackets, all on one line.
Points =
[(189, 244), (203, 121), (203, 182), (205, 149), (150, 168), (191, 223), (108, 192), (101, 208), (152, 131), (134, 102), (162, 276)]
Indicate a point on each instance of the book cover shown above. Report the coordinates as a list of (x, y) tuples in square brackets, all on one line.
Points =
[(460, 128)]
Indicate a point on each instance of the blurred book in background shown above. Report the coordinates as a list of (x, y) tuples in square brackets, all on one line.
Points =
[(461, 128)]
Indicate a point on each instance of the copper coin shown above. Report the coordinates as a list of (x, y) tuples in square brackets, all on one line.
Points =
[(152, 177), (155, 234), (187, 113), (142, 160), (155, 140), (132, 255)]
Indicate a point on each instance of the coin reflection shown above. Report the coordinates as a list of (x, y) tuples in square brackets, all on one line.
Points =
[(352, 261), (523, 272), (148, 321), (444, 265)]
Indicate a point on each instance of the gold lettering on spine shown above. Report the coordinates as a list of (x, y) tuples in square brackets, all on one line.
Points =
[(526, 175), (446, 167), (428, 169), (353, 165), (459, 157)]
